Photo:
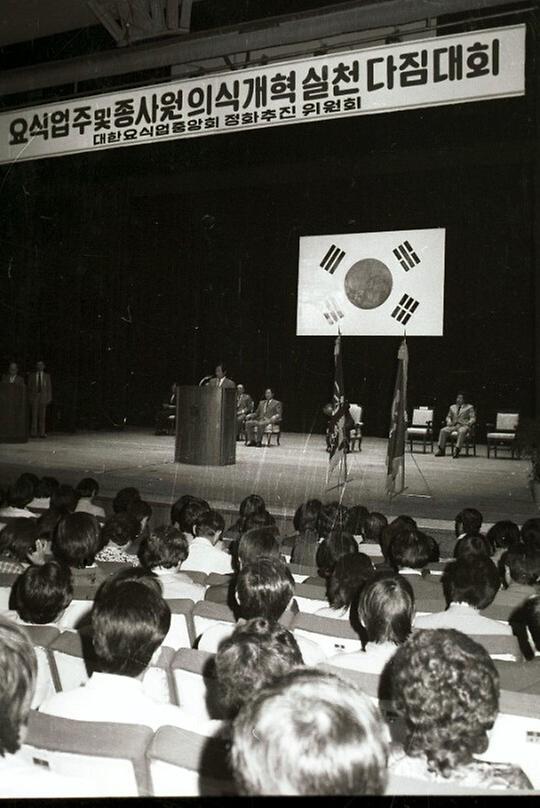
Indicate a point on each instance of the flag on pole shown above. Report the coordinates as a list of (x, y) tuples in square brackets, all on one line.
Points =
[(336, 426), (395, 457)]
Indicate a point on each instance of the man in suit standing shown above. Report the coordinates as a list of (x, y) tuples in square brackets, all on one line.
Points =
[(220, 379), (244, 406), (40, 396), (12, 376), (269, 411), (461, 417)]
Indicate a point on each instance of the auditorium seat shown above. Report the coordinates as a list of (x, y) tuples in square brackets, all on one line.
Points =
[(110, 755), (207, 614), (72, 655), (500, 646), (7, 579), (183, 764), (181, 633), (197, 576), (332, 636), (195, 683), (300, 573), (368, 682), (47, 683), (310, 597), (217, 579), (518, 677), (272, 431)]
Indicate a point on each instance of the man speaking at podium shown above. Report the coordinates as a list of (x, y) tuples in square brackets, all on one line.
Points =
[(220, 379)]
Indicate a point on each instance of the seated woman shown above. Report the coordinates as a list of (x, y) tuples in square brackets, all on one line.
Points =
[(345, 584), (501, 537), (306, 539), (17, 544), (162, 552), (76, 543), (117, 534), (337, 544), (385, 614), (250, 505), (446, 688)]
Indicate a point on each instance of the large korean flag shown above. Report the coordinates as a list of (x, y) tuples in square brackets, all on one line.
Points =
[(372, 284)]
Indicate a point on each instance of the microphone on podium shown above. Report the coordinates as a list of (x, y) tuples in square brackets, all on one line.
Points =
[(205, 380)]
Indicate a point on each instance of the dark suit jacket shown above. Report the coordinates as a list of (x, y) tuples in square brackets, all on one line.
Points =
[(244, 404), (45, 397), (18, 379), (274, 412), (214, 382)]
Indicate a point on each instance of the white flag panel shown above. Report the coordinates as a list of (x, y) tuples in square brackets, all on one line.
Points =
[(372, 284)]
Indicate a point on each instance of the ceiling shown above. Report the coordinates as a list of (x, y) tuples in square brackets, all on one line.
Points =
[(25, 20)]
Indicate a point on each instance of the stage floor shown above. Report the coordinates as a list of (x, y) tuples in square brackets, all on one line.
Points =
[(286, 475)]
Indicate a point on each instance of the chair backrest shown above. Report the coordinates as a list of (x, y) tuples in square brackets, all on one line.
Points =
[(421, 416), (195, 683), (196, 576), (515, 736), (355, 411), (47, 683), (206, 614), (112, 755), (368, 682), (500, 646), (519, 678), (70, 653), (332, 636), (183, 764), (310, 597), (217, 579), (507, 421), (181, 633)]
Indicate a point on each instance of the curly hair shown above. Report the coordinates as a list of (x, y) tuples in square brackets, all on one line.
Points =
[(447, 688)]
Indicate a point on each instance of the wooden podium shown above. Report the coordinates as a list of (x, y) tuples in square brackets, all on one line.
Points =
[(205, 425), (13, 413)]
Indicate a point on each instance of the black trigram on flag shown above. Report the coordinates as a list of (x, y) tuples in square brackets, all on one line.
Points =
[(333, 311), (405, 309), (406, 256), (332, 259)]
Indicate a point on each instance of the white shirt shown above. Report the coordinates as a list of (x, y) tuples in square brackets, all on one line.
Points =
[(14, 513), (120, 700), (212, 638), (86, 505), (41, 503), (372, 660), (335, 614), (20, 778), (205, 557), (462, 617), (176, 585)]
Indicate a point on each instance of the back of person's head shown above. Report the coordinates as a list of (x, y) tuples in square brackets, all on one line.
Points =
[(77, 540), (503, 534), (521, 565), (255, 654), (138, 574), (64, 499), (33, 479), (120, 528), (141, 510), (530, 617), (47, 524), (374, 524), (188, 514), (309, 733), (255, 520), (165, 546), (46, 486), (129, 623), (251, 504), (87, 487), (394, 527), (18, 538), (306, 516), (332, 517), (264, 589), (472, 579), (349, 576), (42, 593), (472, 545), (469, 521), (257, 542), (446, 687), (124, 498), (530, 533), (20, 493), (210, 525), (386, 609), (434, 549), (179, 504), (19, 672), (409, 548), (338, 543), (356, 517)]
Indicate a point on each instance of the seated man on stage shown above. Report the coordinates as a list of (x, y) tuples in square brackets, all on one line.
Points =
[(269, 411), (168, 408), (461, 417), (12, 376), (244, 406)]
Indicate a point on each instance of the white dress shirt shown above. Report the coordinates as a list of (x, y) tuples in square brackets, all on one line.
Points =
[(86, 505), (211, 639), (20, 778), (462, 617), (205, 557), (176, 585)]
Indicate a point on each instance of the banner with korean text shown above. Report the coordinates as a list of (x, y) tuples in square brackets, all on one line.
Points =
[(474, 66)]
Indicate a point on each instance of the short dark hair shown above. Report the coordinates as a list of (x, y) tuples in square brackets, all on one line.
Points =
[(124, 498), (19, 672), (390, 530), (523, 564), (374, 524), (77, 540), (356, 517), (338, 543), (33, 479), (129, 623), (188, 514), (177, 506), (42, 593), (251, 504), (349, 576), (447, 688), (409, 548), (46, 486), (18, 538), (307, 516), (472, 545), (264, 589), (530, 616), (386, 609), (471, 579), (503, 534), (530, 533), (209, 524), (309, 733), (120, 528), (260, 541), (139, 574), (64, 499), (140, 510), (254, 520), (88, 487), (332, 517), (255, 653), (165, 546), (469, 520), (20, 493)]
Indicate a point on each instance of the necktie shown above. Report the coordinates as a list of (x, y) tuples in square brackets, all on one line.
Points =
[(266, 408), (39, 383)]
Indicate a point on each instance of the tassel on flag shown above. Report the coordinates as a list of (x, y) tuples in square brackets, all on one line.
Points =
[(338, 445), (395, 458)]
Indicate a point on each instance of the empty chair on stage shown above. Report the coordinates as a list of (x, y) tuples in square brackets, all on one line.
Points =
[(421, 428), (460, 423), (502, 434)]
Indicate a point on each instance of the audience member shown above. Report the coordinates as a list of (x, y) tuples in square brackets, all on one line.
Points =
[(374, 525), (470, 585), (530, 533), (42, 494), (142, 511), (520, 572), (163, 551), (447, 690), (63, 500), (204, 555), (18, 541), (18, 498), (501, 537), (124, 498), (385, 614), (42, 593), (250, 505), (332, 517), (355, 520), (309, 733), (119, 532), (76, 543), (336, 544), (472, 545), (468, 522), (87, 490), (305, 540), (185, 517), (388, 532), (530, 620), (345, 584)]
